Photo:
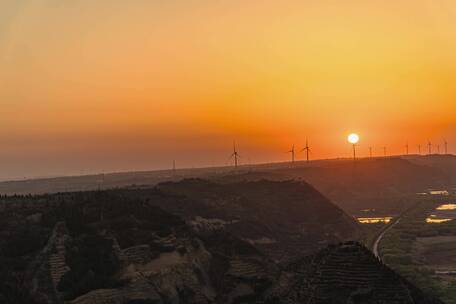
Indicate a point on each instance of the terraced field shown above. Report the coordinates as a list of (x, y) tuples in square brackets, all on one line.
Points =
[(350, 273)]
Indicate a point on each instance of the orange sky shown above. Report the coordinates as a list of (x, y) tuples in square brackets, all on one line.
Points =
[(107, 85)]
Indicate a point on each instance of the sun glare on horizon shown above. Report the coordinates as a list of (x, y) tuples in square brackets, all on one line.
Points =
[(353, 138)]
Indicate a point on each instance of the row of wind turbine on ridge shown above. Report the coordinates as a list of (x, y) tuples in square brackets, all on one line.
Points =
[(235, 155), (429, 145), (306, 148)]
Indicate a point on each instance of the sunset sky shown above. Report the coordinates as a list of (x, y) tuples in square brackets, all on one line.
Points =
[(113, 85)]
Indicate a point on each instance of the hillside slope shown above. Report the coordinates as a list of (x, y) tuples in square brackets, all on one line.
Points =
[(379, 183), (86, 248), (111, 247), (282, 219), (345, 273)]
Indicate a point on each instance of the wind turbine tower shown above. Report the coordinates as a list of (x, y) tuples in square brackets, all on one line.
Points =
[(446, 146), (430, 147), (353, 138), (292, 151), (235, 155), (438, 149), (370, 152), (419, 149), (384, 151), (407, 148), (307, 149)]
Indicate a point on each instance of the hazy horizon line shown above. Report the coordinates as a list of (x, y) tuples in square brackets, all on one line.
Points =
[(301, 161)]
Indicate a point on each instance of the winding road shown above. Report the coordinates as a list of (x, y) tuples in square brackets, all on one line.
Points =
[(391, 225), (380, 236)]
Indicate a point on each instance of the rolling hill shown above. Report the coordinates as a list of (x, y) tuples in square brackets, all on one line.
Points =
[(115, 247)]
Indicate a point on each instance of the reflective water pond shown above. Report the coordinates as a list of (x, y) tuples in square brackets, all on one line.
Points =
[(432, 220), (446, 207), (441, 214), (438, 192), (374, 220)]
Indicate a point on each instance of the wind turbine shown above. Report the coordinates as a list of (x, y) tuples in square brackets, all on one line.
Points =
[(446, 146), (384, 151), (430, 147), (235, 155), (407, 148), (419, 149), (292, 151), (353, 138), (370, 152), (438, 149), (307, 149)]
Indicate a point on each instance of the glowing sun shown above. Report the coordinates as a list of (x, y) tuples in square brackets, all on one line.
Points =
[(353, 138)]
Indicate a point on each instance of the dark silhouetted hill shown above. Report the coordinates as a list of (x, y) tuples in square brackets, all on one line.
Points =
[(379, 183), (344, 273), (282, 219), (114, 247)]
